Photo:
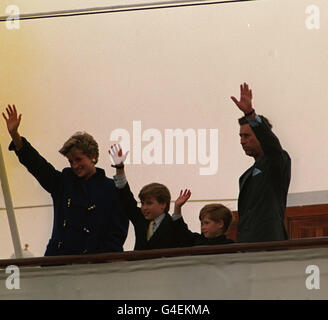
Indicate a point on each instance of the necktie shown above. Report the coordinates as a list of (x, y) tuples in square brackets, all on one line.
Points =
[(150, 230)]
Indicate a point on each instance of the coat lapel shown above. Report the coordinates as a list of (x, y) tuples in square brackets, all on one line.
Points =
[(243, 179), (161, 229)]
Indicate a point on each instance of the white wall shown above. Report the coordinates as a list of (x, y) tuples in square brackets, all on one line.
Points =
[(266, 275), (163, 69)]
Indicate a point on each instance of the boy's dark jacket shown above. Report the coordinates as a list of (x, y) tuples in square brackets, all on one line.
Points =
[(165, 236), (190, 238)]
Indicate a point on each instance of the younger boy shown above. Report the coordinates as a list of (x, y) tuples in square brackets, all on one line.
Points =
[(215, 220), (153, 225)]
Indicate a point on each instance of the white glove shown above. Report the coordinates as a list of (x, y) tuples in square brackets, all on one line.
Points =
[(117, 156)]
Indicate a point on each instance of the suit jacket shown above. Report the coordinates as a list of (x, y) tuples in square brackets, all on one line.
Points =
[(263, 191), (164, 237), (87, 214)]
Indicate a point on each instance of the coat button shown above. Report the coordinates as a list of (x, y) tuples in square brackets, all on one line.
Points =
[(86, 230), (59, 244)]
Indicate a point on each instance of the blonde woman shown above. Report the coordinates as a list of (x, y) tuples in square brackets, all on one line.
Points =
[(87, 215)]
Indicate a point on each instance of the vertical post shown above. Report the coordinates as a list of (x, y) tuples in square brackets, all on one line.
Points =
[(9, 208)]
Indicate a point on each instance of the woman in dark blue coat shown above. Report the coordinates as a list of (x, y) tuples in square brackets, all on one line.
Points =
[(87, 215)]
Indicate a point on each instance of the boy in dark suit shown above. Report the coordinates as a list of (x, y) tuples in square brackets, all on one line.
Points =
[(215, 220), (153, 225)]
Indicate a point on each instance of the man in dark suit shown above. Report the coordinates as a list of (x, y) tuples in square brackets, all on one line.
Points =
[(264, 186)]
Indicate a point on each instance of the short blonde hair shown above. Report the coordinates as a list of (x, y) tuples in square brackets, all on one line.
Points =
[(157, 190), (84, 142), (217, 212)]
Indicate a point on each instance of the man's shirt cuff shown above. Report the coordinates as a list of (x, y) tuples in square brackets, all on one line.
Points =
[(255, 122)]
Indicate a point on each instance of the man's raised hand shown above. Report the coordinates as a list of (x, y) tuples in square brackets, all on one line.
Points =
[(245, 102)]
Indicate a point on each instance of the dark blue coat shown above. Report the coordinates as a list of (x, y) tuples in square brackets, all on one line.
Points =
[(87, 216)]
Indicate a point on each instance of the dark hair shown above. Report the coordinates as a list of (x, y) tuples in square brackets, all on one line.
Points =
[(217, 212), (243, 120), (160, 192), (84, 142)]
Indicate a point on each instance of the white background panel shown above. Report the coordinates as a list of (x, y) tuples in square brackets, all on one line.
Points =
[(167, 69)]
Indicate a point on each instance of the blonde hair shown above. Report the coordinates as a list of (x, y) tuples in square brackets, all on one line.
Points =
[(84, 142)]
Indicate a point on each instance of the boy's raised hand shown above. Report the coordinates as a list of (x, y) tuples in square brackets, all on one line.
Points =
[(183, 197), (180, 201), (13, 120), (116, 154)]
